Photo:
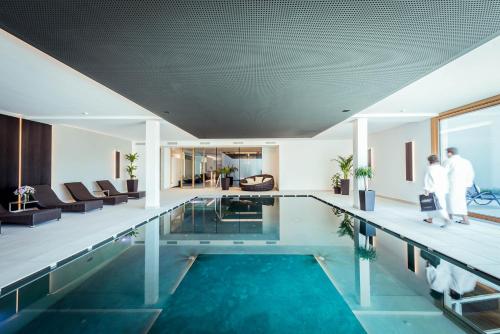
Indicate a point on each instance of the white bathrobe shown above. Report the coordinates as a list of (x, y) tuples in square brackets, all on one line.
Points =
[(436, 181), (448, 276), (460, 178)]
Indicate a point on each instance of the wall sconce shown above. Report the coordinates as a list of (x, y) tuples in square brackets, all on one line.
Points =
[(117, 165)]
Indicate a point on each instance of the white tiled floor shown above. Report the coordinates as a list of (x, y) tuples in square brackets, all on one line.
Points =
[(26, 250)]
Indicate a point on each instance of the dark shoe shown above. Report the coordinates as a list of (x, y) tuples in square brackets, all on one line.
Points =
[(462, 222)]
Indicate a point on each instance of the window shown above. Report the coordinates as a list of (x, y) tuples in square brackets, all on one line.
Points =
[(476, 135), (199, 166)]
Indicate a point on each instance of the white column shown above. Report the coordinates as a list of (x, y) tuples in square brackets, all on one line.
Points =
[(152, 163), (360, 152), (152, 262)]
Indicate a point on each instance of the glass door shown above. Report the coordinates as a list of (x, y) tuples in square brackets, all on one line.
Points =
[(188, 168)]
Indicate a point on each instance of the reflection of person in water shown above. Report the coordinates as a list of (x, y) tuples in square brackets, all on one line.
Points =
[(444, 277)]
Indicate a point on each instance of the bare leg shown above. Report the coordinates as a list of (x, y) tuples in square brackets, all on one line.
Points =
[(465, 220)]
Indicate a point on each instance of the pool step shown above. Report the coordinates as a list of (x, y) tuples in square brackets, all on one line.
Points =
[(190, 262)]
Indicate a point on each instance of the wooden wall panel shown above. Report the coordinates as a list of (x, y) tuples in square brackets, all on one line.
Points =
[(36, 153), (9, 154)]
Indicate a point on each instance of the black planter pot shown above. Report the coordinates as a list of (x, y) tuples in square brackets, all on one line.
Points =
[(344, 186), (132, 185), (225, 183), (367, 229), (367, 200), (336, 190)]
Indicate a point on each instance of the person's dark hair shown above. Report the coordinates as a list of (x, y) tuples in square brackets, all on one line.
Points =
[(452, 150), (433, 159)]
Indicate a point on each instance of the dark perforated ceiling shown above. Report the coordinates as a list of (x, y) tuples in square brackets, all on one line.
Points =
[(247, 68)]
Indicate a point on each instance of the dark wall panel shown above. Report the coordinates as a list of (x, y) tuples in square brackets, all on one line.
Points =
[(117, 165), (9, 150), (409, 160), (36, 153)]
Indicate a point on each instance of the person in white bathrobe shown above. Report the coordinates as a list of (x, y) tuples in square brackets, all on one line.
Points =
[(436, 181), (460, 178)]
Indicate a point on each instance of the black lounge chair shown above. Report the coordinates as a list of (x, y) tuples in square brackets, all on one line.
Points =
[(29, 217), (81, 193), (107, 185), (48, 199), (266, 184), (474, 194)]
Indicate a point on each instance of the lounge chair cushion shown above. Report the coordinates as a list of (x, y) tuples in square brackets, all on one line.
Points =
[(250, 181), (29, 217), (107, 185), (250, 184), (81, 193), (48, 199)]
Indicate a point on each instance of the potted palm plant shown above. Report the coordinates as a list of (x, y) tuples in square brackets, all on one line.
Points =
[(132, 182), (345, 164), (232, 169), (336, 183), (346, 226), (366, 196), (367, 251), (225, 181)]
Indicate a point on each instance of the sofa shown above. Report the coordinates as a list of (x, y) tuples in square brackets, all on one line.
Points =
[(262, 182)]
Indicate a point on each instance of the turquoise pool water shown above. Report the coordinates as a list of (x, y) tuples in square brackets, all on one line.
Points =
[(256, 294), (246, 265)]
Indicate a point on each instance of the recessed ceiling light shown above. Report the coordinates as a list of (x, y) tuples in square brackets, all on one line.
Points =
[(346, 110), (402, 110), (85, 113)]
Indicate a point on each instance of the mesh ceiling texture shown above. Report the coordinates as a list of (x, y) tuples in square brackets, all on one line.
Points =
[(253, 69)]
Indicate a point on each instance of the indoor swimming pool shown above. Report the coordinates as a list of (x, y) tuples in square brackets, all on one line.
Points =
[(268, 264)]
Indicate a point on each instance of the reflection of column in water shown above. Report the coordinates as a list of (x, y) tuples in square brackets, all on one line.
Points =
[(361, 268), (271, 219), (151, 262)]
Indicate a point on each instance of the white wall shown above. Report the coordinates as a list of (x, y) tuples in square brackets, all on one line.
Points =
[(80, 155), (389, 160), (270, 163), (307, 164), (165, 167)]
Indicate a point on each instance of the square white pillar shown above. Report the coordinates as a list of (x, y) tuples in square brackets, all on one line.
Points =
[(152, 163), (360, 153)]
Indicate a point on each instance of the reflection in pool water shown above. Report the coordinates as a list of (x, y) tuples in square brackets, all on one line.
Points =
[(324, 271), (238, 218)]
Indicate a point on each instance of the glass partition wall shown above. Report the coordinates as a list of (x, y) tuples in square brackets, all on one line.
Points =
[(473, 130), (201, 165)]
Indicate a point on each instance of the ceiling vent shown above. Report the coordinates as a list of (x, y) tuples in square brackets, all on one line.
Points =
[(172, 143)]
